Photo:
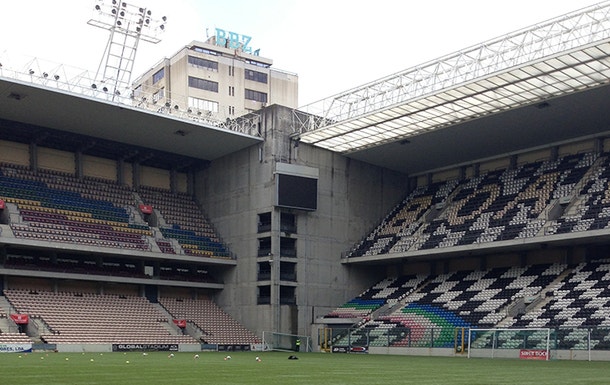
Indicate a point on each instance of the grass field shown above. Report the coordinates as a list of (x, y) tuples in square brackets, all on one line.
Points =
[(275, 368)]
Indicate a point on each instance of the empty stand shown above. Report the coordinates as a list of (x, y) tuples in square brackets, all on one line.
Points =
[(593, 210), (14, 338), (505, 204), (498, 205), (77, 318), (581, 302), (396, 231), (60, 208), (217, 326), (431, 313), (387, 292), (183, 220)]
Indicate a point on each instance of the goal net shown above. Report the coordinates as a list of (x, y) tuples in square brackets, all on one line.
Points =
[(286, 342), (531, 343)]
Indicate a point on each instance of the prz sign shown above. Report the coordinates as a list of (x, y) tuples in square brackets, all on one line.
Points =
[(234, 40)]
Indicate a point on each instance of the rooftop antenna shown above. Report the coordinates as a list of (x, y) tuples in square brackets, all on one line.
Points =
[(127, 24)]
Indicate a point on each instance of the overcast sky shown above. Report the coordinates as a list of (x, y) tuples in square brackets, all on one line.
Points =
[(333, 45)]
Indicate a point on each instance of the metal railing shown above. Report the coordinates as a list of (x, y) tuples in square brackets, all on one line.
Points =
[(562, 338), (63, 78)]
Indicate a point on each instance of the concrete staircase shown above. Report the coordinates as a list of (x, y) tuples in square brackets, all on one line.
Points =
[(6, 324)]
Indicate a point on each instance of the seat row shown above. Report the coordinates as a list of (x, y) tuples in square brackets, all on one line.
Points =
[(572, 300), (217, 326), (497, 205), (74, 210), (95, 318)]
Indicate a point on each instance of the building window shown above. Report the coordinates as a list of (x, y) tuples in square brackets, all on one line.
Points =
[(256, 96), (231, 110), (264, 246), (137, 92), (264, 295), (288, 247), (264, 222), (203, 105), (203, 84), (260, 77), (158, 75), (231, 91), (257, 63), (287, 295), (204, 50), (288, 271), (231, 71), (158, 95), (203, 63), (288, 222), (264, 271)]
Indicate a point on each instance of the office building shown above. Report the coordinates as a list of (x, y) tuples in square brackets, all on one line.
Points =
[(221, 81)]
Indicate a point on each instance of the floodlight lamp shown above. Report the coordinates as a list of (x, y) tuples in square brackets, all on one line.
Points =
[(141, 10), (56, 77), (117, 92), (31, 72), (124, 4), (189, 110), (176, 107), (94, 86), (162, 27), (167, 104), (113, 1), (105, 89), (118, 22), (122, 13), (148, 12), (45, 75), (147, 21), (97, 7), (113, 11), (164, 18), (138, 29)]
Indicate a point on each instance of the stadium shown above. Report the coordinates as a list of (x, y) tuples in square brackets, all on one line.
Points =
[(456, 208)]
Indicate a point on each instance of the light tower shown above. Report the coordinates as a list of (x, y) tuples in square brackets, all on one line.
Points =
[(128, 25)]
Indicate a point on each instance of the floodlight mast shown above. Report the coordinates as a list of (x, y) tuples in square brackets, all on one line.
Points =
[(128, 24)]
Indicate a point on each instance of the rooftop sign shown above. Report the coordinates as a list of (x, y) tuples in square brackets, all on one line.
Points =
[(234, 40)]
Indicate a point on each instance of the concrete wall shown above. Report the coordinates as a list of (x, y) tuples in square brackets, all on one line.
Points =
[(352, 198)]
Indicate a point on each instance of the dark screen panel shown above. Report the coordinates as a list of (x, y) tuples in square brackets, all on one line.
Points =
[(297, 192)]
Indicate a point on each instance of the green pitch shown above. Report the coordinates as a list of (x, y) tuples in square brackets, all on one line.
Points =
[(276, 368)]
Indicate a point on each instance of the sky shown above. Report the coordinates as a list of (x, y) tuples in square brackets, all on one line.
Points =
[(332, 45)]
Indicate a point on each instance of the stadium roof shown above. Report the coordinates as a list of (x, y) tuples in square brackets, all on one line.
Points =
[(537, 66), (75, 116)]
